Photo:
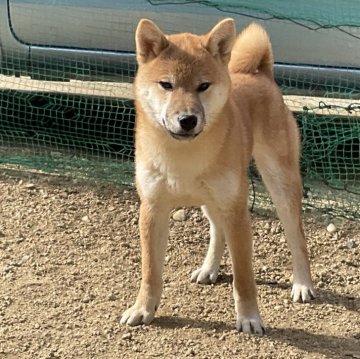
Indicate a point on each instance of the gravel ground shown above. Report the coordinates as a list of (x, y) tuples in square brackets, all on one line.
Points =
[(70, 265)]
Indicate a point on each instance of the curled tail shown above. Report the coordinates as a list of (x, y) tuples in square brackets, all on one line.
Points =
[(252, 52)]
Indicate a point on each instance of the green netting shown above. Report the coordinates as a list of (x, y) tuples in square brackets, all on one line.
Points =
[(74, 115)]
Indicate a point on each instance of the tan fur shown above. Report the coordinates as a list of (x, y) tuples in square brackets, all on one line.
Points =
[(251, 52), (240, 115)]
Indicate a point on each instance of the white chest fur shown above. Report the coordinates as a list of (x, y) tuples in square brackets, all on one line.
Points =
[(187, 184)]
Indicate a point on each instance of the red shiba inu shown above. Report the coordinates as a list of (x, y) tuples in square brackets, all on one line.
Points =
[(205, 106)]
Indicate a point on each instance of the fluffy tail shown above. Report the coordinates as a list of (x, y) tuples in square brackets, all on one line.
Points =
[(252, 52)]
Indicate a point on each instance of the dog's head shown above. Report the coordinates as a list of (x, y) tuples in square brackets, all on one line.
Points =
[(183, 82)]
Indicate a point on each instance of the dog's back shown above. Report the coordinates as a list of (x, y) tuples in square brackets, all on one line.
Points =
[(252, 76)]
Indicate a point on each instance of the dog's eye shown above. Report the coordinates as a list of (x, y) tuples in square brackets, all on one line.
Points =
[(166, 85), (203, 87)]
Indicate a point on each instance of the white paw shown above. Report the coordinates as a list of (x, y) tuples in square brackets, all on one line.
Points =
[(205, 275), (250, 325), (302, 293), (138, 314)]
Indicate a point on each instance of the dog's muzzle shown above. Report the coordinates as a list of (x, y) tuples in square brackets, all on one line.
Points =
[(187, 122), (185, 129)]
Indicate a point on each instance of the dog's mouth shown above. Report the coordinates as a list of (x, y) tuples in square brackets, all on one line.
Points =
[(183, 136)]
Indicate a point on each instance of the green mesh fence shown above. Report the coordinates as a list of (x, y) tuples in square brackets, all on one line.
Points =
[(66, 71)]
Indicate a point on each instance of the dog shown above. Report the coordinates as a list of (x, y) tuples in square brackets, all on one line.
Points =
[(206, 105)]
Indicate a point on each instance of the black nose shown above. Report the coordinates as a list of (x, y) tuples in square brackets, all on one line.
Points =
[(187, 122)]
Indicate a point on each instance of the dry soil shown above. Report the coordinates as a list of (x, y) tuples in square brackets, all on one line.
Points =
[(70, 265)]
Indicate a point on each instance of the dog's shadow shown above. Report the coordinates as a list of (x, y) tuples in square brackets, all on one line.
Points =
[(329, 345), (323, 296), (174, 322)]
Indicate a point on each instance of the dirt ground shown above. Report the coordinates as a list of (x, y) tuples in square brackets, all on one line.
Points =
[(70, 265)]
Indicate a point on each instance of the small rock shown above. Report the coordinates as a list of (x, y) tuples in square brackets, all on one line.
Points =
[(335, 237), (86, 219), (30, 186), (88, 298), (275, 228), (267, 227), (127, 336), (24, 259), (20, 240), (190, 352), (55, 154), (331, 228), (112, 297), (351, 244), (179, 215)]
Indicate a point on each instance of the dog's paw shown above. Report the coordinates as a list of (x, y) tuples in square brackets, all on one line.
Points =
[(250, 325), (138, 314), (302, 293), (205, 275)]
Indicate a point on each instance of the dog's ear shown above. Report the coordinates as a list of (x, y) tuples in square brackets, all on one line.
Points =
[(150, 41), (220, 40)]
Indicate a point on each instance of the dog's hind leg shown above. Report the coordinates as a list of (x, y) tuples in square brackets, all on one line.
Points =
[(209, 270), (278, 165)]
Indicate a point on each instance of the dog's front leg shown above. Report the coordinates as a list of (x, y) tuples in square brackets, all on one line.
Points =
[(154, 226), (239, 239)]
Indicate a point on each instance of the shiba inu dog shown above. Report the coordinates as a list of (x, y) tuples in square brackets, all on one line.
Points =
[(205, 106)]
